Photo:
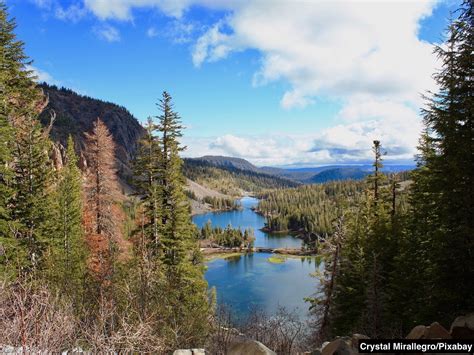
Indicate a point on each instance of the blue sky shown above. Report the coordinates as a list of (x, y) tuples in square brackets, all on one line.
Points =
[(279, 83)]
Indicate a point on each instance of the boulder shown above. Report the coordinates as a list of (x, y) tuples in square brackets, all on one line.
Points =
[(437, 331), (417, 333), (355, 340), (463, 327), (338, 347), (434, 331), (249, 347)]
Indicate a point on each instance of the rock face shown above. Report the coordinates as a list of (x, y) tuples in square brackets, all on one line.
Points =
[(463, 327), (75, 115), (249, 347)]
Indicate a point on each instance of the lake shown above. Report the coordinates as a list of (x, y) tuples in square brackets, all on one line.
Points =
[(251, 280)]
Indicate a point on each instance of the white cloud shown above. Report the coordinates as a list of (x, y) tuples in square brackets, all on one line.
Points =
[(343, 143), (108, 33), (211, 46), (330, 47), (41, 75), (367, 55), (121, 9), (73, 13)]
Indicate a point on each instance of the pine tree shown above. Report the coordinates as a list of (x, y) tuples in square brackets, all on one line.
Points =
[(187, 309), (446, 176), (18, 91), (67, 252), (147, 181), (6, 173), (23, 154), (32, 183)]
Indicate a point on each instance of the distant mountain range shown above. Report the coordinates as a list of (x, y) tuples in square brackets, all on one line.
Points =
[(309, 175)]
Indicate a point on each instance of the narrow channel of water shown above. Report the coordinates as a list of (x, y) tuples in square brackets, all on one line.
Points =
[(252, 280)]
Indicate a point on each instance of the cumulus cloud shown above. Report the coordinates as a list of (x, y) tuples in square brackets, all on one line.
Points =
[(107, 33), (260, 150), (341, 144), (330, 47)]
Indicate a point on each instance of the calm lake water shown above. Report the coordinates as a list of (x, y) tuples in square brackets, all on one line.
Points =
[(248, 281), (246, 218)]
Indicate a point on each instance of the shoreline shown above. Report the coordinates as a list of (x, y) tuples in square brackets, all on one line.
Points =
[(221, 252)]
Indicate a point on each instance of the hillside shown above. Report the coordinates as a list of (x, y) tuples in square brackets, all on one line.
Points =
[(227, 162), (76, 113), (321, 174), (337, 174), (230, 180)]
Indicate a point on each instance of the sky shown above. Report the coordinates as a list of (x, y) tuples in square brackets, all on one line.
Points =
[(278, 82)]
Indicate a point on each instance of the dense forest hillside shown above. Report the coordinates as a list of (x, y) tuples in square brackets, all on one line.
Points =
[(336, 174), (311, 210), (75, 115), (230, 180), (227, 162)]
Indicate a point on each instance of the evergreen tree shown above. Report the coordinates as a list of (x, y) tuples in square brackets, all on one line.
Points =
[(187, 309), (23, 154), (6, 173), (443, 184), (18, 92), (67, 253), (32, 183), (147, 180)]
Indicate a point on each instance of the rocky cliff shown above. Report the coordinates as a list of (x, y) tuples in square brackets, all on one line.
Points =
[(75, 115)]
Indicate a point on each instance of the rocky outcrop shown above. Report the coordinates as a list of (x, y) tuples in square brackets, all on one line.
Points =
[(249, 347), (57, 156), (75, 115), (463, 327)]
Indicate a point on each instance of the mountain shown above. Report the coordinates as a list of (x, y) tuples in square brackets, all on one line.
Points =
[(227, 162), (326, 173), (75, 115), (220, 174), (335, 174)]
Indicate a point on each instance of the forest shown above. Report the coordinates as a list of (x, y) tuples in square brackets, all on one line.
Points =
[(232, 181), (227, 237), (69, 276), (85, 265), (391, 262)]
